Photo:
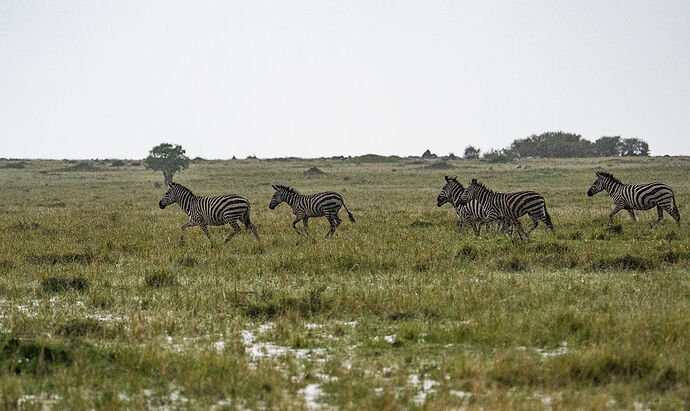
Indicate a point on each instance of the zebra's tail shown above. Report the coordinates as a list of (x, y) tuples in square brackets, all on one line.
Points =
[(349, 214), (547, 218), (675, 210)]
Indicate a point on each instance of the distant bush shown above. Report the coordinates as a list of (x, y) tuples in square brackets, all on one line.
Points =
[(21, 164), (498, 156), (558, 144), (313, 171), (118, 163), (375, 158), (472, 153), (81, 166), (438, 165)]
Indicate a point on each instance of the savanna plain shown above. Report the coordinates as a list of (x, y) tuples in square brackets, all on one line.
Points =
[(102, 305)]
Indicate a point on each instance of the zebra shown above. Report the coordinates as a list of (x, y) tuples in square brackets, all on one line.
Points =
[(631, 197), (312, 205), (205, 211), (472, 212), (511, 206)]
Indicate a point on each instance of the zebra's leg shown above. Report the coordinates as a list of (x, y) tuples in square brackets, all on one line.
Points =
[(249, 226), (632, 214), (305, 222), (338, 220), (331, 221), (294, 223), (615, 211), (476, 227), (203, 227), (185, 225), (235, 227), (520, 230), (660, 214)]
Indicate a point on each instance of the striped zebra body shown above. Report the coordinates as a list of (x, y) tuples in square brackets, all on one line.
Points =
[(631, 197), (209, 211), (326, 204), (476, 215), (511, 206), (472, 212)]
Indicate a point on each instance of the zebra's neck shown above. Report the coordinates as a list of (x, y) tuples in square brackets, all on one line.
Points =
[(455, 195), (291, 198), (484, 195), (611, 186), (186, 200)]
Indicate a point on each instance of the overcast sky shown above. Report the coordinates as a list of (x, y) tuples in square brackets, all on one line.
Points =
[(87, 79)]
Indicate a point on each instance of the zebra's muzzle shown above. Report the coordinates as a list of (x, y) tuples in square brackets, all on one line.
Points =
[(161, 205), (590, 193)]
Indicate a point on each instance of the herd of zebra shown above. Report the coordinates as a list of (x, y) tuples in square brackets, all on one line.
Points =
[(475, 204)]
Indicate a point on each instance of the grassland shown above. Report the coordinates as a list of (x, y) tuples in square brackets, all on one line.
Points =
[(102, 305)]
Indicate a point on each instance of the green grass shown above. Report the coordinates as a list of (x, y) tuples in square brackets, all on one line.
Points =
[(102, 305)]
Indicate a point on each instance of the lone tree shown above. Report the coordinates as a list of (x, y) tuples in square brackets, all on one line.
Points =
[(634, 147), (471, 153), (166, 158)]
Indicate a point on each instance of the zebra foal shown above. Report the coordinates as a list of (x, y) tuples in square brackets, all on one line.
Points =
[(631, 197), (472, 212), (209, 211), (325, 204)]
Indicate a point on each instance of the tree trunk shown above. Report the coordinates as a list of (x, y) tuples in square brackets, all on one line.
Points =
[(168, 177)]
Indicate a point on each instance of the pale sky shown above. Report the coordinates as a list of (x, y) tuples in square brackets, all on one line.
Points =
[(111, 79)]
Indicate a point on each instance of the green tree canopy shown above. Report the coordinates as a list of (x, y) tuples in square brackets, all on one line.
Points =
[(634, 147), (608, 146), (471, 152), (167, 158)]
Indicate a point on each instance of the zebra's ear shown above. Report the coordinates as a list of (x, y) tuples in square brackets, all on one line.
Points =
[(447, 178), (274, 187), (597, 173), (474, 180)]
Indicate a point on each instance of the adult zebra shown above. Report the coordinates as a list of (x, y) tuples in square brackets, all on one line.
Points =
[(213, 211), (325, 204), (631, 197), (511, 206), (472, 213)]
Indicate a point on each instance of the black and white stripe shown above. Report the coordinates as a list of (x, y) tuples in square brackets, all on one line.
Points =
[(209, 211), (472, 212), (631, 197), (511, 206), (325, 204)]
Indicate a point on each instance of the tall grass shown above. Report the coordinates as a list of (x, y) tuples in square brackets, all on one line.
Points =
[(102, 305)]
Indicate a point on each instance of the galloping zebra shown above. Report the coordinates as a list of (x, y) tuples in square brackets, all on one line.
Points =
[(205, 211), (313, 205), (636, 197), (511, 206), (472, 212)]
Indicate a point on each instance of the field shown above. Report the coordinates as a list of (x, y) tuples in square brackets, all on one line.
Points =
[(102, 305)]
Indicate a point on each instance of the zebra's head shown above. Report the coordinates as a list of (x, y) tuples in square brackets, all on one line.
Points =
[(170, 196), (600, 183), (470, 192), (279, 196), (448, 191)]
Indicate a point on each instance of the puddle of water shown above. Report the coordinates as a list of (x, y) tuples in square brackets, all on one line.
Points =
[(311, 394)]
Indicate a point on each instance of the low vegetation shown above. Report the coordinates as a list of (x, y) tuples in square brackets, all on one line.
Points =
[(102, 305)]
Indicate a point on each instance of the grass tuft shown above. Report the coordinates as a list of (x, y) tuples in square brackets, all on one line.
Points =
[(61, 284)]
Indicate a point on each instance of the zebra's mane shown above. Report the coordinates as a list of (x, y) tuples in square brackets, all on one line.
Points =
[(181, 187), (608, 176), (288, 189), (455, 180), (482, 186)]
